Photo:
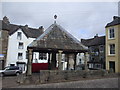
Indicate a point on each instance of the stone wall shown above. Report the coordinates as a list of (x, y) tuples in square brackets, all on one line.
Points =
[(48, 76), (57, 76)]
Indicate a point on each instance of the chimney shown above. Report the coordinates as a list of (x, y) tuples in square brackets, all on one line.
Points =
[(81, 40), (6, 20), (115, 17), (26, 26), (96, 36), (41, 29)]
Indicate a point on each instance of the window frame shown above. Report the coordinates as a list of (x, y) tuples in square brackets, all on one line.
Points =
[(19, 35), (113, 49), (20, 56), (43, 56), (111, 33), (20, 46)]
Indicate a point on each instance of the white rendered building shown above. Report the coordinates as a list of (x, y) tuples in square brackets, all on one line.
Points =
[(19, 38)]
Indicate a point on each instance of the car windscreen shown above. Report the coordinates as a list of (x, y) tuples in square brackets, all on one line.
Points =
[(12, 68)]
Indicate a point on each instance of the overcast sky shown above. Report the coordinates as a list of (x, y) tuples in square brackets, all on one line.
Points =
[(81, 19)]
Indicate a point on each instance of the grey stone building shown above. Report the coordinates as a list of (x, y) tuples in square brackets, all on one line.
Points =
[(4, 33), (96, 51)]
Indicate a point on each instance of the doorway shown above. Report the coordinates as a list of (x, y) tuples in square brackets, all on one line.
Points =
[(112, 65)]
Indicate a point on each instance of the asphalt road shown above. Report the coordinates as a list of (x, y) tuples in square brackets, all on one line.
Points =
[(97, 83)]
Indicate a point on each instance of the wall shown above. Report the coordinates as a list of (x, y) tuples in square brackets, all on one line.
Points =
[(49, 76), (119, 48), (112, 41)]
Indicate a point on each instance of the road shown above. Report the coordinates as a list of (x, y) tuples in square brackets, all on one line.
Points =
[(97, 83)]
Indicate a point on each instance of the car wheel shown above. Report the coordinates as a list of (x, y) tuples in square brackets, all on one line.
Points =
[(17, 73)]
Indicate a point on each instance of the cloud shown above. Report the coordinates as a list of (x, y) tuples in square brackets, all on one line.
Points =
[(82, 19)]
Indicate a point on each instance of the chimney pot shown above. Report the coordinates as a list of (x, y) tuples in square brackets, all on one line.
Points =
[(41, 29), (96, 36), (26, 26), (115, 17), (6, 20)]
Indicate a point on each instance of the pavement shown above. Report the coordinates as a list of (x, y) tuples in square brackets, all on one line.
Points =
[(96, 83)]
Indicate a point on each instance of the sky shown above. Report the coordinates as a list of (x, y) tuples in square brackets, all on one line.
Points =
[(81, 19)]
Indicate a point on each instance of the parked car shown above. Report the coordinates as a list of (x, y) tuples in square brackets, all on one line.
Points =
[(10, 70)]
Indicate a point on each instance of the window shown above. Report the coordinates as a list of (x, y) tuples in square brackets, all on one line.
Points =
[(101, 48), (96, 53), (80, 61), (91, 49), (19, 35), (112, 48), (111, 33), (42, 56), (20, 56), (92, 58), (20, 46)]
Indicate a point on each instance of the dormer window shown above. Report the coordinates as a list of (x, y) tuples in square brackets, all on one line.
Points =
[(19, 35), (111, 33)]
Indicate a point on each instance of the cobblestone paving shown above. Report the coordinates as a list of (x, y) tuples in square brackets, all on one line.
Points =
[(9, 81), (97, 83)]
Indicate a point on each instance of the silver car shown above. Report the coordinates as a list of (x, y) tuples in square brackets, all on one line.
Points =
[(11, 70)]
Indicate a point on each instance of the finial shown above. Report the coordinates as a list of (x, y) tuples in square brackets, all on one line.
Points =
[(55, 17)]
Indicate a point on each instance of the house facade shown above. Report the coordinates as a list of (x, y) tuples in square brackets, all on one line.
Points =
[(17, 47), (113, 45), (19, 37), (96, 51)]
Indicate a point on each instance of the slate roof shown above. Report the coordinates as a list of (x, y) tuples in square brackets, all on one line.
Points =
[(116, 21), (12, 28), (55, 37), (94, 41)]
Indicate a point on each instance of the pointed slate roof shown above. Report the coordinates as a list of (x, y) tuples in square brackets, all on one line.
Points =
[(116, 21), (94, 41), (55, 37), (12, 28)]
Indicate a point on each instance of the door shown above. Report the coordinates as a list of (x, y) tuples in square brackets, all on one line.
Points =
[(112, 65)]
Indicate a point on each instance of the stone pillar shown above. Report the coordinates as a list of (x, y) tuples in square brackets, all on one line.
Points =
[(53, 61), (48, 61), (85, 56), (67, 59), (59, 60), (29, 64), (75, 61)]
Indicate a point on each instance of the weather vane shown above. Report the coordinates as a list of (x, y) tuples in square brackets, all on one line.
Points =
[(55, 17)]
